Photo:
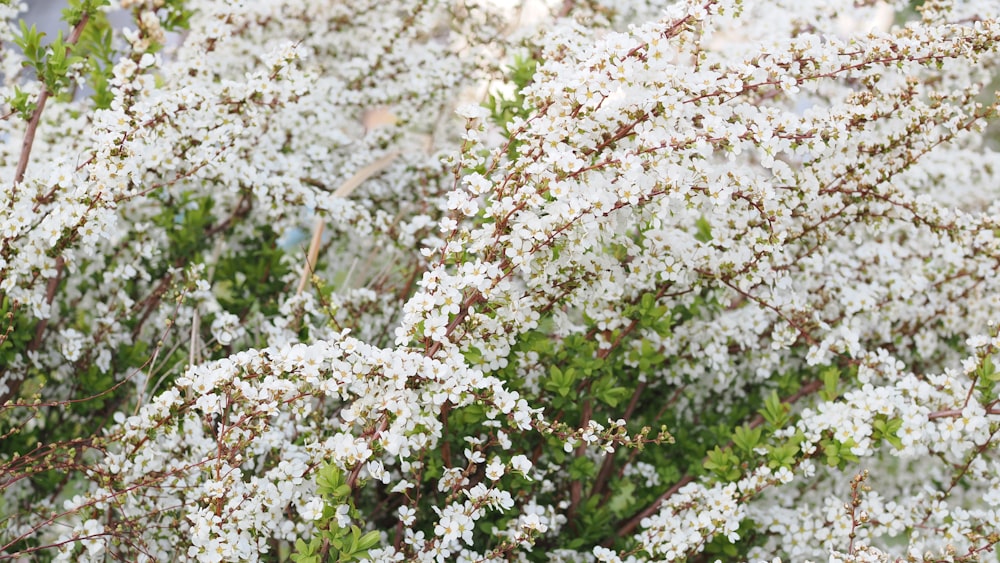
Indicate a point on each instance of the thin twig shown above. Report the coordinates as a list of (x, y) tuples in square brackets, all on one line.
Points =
[(36, 116), (343, 191), (312, 255)]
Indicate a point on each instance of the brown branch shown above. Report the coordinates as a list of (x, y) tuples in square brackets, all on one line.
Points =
[(633, 522), (576, 486), (14, 386), (608, 465), (36, 116), (50, 295)]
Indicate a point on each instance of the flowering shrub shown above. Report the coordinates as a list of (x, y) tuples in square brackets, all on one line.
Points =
[(409, 279)]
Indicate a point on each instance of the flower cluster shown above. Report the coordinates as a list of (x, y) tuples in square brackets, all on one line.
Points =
[(455, 281)]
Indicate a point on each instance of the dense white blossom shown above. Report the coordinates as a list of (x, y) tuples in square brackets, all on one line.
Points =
[(567, 281)]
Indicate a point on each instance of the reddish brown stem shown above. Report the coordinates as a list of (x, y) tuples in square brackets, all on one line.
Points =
[(576, 487), (608, 465), (36, 116), (632, 523)]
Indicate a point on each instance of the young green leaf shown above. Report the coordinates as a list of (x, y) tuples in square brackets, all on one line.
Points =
[(830, 377), (746, 438), (775, 412)]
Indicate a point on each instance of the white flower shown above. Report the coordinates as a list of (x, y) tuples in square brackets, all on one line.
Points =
[(343, 515), (312, 510), (407, 515), (534, 523), (521, 463), (495, 469), (473, 111)]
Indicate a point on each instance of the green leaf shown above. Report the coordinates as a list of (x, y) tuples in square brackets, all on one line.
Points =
[(95, 45), (522, 72), (612, 396), (561, 381), (704, 230), (355, 536), (723, 463), (21, 103), (623, 499), (78, 8), (368, 541), (839, 454), (581, 468), (885, 428), (987, 370), (775, 412), (177, 16), (746, 438), (648, 302), (473, 356), (830, 377), (30, 42), (649, 356), (329, 480), (782, 455), (307, 552), (472, 414)]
